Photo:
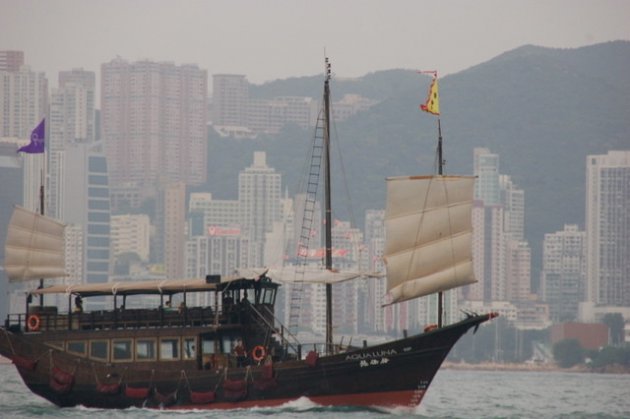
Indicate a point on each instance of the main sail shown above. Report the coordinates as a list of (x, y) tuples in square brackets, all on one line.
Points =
[(428, 227), (34, 247)]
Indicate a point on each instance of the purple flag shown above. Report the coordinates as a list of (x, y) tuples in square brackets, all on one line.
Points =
[(37, 140)]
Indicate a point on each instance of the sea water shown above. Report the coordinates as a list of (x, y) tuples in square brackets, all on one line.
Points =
[(453, 394)]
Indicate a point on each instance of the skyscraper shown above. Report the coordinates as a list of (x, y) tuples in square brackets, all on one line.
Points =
[(259, 193), (71, 121), (82, 84), (23, 101), (564, 272), (153, 119), (86, 205), (608, 228), (501, 257)]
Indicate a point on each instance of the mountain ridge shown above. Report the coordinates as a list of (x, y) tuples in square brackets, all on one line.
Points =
[(543, 110)]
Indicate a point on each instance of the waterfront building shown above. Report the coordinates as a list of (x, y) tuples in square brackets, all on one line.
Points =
[(608, 229), (563, 278)]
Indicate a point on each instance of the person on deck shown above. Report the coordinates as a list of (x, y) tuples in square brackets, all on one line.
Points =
[(241, 353), (78, 304)]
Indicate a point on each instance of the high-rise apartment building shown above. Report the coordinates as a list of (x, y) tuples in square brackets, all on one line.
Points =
[(174, 237), (11, 60), (81, 116), (131, 233), (230, 100), (486, 168), (153, 122), (23, 101), (502, 259), (259, 196), (71, 121), (564, 272), (608, 228), (86, 204)]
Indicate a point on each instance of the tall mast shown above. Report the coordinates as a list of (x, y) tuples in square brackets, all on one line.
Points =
[(327, 203), (440, 172), (432, 106)]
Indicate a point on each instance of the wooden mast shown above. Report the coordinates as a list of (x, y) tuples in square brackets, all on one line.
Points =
[(328, 207)]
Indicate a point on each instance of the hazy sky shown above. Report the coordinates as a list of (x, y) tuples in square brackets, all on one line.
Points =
[(268, 39)]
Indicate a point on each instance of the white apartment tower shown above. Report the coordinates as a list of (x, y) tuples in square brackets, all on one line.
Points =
[(259, 196), (608, 228), (502, 258), (564, 272)]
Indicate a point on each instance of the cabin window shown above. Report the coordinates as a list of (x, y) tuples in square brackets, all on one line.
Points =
[(99, 349), (145, 350), (207, 346), (76, 347), (121, 350), (268, 295), (189, 348), (169, 348), (228, 344)]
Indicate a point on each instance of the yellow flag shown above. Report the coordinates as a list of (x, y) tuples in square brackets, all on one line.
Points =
[(432, 104)]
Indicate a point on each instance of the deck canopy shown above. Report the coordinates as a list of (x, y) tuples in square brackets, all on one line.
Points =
[(243, 279), (156, 287)]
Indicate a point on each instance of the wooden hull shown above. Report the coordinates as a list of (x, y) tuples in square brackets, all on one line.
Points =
[(396, 373)]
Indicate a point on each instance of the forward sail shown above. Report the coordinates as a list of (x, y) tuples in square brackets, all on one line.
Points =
[(34, 247), (428, 245)]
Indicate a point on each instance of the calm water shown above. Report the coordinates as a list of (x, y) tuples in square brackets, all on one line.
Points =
[(453, 394)]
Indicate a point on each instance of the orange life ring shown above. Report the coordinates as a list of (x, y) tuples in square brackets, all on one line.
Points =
[(259, 353), (33, 322)]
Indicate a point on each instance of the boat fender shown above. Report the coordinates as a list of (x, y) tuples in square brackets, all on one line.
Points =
[(61, 381), (137, 392), (198, 397), (33, 322), (259, 353), (234, 390), (109, 389), (430, 328)]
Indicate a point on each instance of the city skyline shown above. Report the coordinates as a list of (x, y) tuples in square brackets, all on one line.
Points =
[(248, 37)]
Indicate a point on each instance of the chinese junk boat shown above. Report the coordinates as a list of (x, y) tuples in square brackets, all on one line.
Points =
[(231, 352)]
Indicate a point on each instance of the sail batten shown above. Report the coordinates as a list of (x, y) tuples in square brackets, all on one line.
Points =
[(34, 247), (428, 244)]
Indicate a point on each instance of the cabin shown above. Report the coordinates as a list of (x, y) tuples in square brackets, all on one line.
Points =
[(236, 330)]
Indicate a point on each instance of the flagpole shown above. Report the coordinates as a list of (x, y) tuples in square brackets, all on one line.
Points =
[(42, 208)]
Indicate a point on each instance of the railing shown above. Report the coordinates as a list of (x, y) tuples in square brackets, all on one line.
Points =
[(124, 319)]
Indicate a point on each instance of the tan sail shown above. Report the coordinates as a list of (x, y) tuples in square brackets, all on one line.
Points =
[(428, 246), (34, 247)]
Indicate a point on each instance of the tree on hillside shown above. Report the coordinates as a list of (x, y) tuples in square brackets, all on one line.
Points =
[(568, 353)]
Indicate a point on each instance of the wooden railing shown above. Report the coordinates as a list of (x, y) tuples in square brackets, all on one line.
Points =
[(123, 319)]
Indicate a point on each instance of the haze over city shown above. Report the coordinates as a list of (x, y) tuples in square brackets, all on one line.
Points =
[(280, 39)]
